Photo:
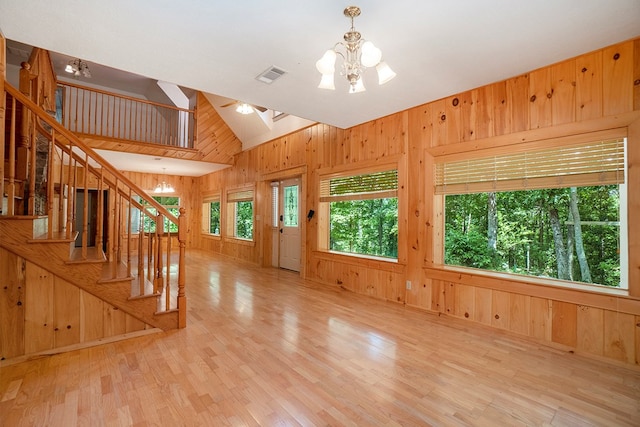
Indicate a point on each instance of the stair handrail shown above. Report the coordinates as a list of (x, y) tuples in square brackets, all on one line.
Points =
[(88, 150)]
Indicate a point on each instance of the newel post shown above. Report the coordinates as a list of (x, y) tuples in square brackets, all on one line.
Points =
[(182, 298)]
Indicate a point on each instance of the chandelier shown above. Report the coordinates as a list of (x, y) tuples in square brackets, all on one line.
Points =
[(163, 187), (78, 68), (358, 55)]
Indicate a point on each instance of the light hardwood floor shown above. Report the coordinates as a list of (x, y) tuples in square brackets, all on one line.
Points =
[(263, 347)]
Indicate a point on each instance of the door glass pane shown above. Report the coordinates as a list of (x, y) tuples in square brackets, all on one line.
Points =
[(291, 206)]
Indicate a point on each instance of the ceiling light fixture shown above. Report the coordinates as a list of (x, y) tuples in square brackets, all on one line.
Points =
[(358, 55), (244, 108), (164, 187), (78, 68)]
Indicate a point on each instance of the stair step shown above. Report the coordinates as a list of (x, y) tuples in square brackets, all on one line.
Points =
[(56, 237), (94, 255)]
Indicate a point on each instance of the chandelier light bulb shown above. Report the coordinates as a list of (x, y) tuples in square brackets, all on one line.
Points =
[(327, 64), (357, 87), (371, 55), (385, 73), (327, 82)]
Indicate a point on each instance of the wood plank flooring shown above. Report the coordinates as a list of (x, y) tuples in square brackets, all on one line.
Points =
[(263, 347)]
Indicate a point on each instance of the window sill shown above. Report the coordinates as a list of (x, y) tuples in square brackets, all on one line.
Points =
[(379, 263), (582, 294), (235, 240), (211, 236)]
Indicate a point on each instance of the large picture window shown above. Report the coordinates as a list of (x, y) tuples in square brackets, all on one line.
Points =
[(557, 213), (240, 214), (362, 213)]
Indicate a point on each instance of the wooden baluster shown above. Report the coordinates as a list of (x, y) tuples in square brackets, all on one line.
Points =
[(73, 196), (167, 290), (129, 212), (50, 182), (114, 236), (182, 239), (61, 218), (141, 233), (85, 207), (31, 206), (69, 227), (150, 252), (11, 187), (100, 213), (157, 283)]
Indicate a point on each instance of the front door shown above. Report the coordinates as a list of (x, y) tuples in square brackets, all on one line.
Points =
[(290, 243)]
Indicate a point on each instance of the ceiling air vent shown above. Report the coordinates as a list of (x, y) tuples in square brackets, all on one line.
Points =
[(271, 74)]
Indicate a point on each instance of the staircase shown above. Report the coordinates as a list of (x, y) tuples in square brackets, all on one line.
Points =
[(68, 211)]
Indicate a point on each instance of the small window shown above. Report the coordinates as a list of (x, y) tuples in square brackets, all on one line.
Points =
[(240, 209), (211, 216)]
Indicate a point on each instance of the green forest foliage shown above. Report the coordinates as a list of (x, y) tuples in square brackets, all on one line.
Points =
[(244, 220), (367, 227), (525, 233)]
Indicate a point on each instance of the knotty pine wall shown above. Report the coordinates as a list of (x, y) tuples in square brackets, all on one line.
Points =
[(588, 95), (40, 312)]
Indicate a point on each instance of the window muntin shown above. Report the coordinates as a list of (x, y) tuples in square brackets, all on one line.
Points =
[(211, 216), (362, 213), (523, 220)]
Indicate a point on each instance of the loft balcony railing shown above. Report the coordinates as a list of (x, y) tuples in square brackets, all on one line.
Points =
[(99, 114)]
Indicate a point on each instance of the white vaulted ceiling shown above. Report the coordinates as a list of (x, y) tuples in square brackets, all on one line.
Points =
[(437, 48)]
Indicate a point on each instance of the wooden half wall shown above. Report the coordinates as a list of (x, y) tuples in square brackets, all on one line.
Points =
[(592, 93)]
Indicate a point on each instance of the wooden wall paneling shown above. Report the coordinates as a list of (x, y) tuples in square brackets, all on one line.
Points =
[(438, 123), (133, 325), (540, 113), (500, 309), (563, 92), (38, 316), (519, 100), (589, 86), (340, 148), (390, 134), (438, 289), (637, 329), (115, 322), (636, 75), (12, 303), (564, 323), (590, 330), (356, 138), (519, 313), (419, 133), (91, 318), (619, 336), (501, 114), (617, 71), (540, 313), (464, 302), (484, 106), (453, 119), (450, 292), (66, 310), (468, 114), (482, 307)]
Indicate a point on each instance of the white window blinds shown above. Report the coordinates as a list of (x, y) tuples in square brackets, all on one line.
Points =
[(375, 185), (596, 163)]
